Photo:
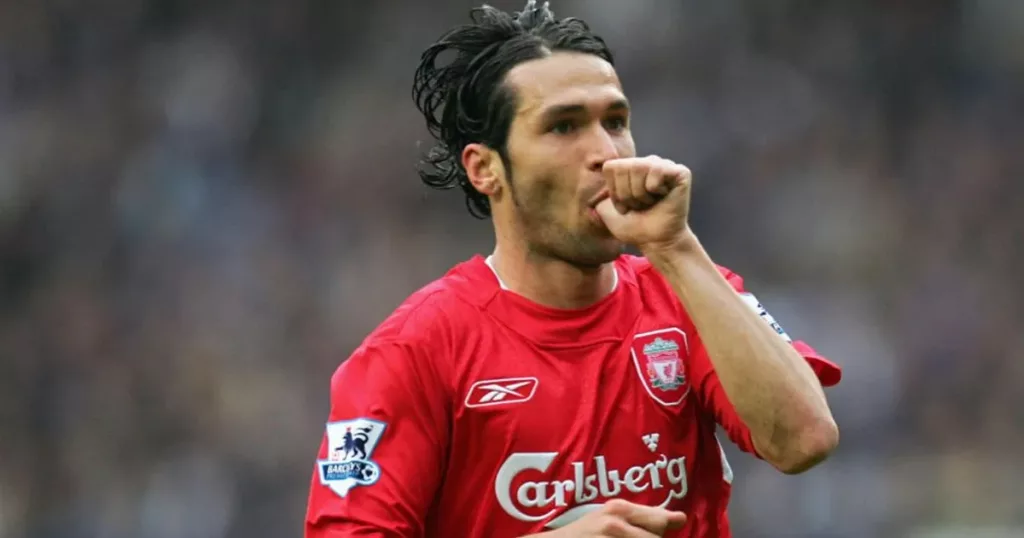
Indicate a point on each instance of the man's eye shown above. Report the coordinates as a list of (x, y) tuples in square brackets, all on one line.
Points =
[(563, 127), (615, 124)]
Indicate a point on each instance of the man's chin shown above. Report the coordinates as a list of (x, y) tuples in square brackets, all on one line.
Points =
[(607, 251)]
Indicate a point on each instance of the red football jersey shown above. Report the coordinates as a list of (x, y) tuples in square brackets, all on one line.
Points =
[(473, 412)]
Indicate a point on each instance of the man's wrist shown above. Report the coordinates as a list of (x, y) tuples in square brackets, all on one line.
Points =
[(686, 249)]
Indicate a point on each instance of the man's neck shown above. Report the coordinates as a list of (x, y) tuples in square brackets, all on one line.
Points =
[(551, 282)]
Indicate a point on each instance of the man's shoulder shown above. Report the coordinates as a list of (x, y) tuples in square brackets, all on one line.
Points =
[(421, 336), (432, 314)]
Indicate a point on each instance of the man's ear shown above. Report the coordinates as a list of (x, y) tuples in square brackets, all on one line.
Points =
[(484, 168)]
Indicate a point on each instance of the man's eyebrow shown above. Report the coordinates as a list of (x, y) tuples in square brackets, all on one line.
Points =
[(554, 111), (619, 105)]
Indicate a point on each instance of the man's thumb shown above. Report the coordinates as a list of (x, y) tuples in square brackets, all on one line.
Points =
[(607, 211), (676, 520)]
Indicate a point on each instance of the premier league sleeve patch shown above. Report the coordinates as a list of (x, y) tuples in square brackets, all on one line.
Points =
[(756, 305), (350, 443)]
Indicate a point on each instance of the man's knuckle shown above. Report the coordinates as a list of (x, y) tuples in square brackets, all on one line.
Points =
[(617, 507), (612, 525)]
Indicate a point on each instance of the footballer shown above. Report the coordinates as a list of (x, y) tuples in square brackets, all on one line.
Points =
[(559, 387)]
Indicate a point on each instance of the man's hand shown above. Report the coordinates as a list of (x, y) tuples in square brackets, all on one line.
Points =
[(621, 519), (648, 202)]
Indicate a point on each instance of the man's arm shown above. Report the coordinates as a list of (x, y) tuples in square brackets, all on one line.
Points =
[(772, 388), (383, 454)]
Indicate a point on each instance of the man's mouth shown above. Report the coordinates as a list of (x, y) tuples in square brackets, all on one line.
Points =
[(598, 198)]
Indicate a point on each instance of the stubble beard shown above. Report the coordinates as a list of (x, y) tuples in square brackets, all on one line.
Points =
[(587, 248)]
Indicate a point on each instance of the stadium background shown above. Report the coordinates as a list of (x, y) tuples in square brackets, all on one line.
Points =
[(204, 206)]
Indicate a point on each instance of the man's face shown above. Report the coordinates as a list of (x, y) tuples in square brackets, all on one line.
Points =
[(571, 117)]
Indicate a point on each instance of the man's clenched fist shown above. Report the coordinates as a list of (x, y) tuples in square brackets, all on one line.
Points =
[(648, 201), (621, 519)]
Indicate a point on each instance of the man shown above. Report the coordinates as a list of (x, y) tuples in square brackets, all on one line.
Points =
[(559, 387)]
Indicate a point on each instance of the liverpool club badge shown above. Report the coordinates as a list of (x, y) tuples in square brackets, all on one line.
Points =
[(658, 357)]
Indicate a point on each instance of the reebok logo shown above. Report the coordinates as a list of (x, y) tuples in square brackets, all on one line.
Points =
[(508, 390)]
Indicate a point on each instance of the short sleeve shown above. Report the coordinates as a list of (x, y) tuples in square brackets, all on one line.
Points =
[(382, 455), (709, 389)]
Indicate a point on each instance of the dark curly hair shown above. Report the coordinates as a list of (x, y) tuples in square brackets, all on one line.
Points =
[(465, 100)]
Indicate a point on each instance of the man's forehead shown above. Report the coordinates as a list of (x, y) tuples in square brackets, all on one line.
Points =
[(563, 79)]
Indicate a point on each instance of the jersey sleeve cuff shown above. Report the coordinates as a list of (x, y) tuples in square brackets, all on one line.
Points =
[(828, 372)]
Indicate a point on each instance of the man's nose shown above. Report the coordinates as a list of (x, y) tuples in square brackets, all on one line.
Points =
[(601, 148)]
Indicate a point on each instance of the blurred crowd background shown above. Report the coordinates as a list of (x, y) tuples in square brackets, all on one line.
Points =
[(206, 205)]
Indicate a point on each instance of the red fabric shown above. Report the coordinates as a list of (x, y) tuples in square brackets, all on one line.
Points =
[(498, 417)]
